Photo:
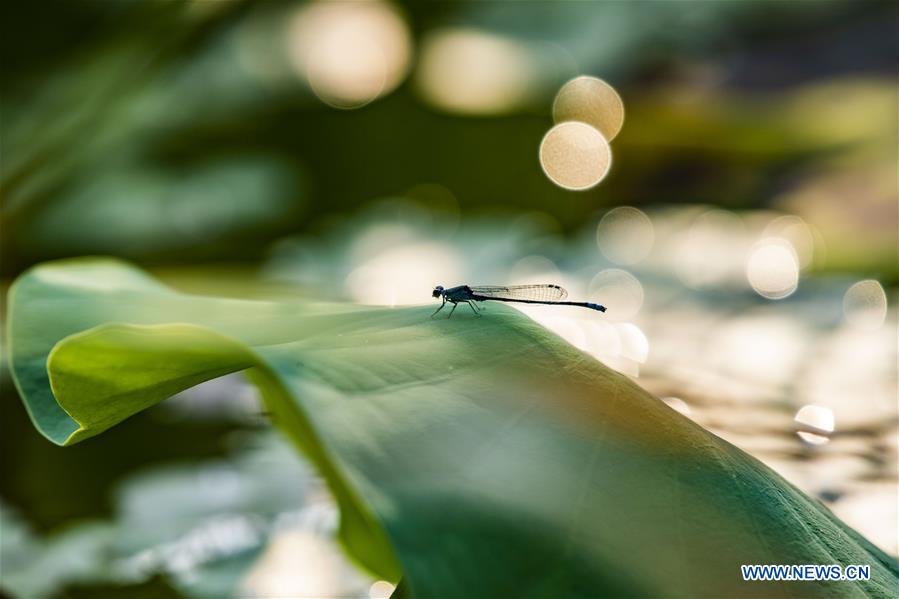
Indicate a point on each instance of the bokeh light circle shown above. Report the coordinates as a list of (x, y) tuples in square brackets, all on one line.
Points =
[(865, 305), (619, 291), (634, 344), (625, 235), (713, 252), (798, 233), (403, 274), (575, 156), (470, 71), (534, 269), (818, 418), (349, 52), (592, 101), (773, 269), (381, 589)]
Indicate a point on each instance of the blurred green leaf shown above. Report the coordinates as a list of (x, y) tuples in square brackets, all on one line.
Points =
[(474, 456), (204, 526), (34, 568)]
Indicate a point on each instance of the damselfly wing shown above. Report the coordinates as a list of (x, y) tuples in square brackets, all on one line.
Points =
[(540, 293)]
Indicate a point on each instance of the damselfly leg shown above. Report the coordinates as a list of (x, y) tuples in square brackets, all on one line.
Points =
[(455, 304)]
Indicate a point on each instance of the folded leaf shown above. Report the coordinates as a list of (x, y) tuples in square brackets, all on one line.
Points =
[(475, 456)]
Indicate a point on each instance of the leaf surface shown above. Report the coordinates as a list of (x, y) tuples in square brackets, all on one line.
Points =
[(473, 457)]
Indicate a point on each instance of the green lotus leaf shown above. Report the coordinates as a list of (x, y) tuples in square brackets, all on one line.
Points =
[(475, 457)]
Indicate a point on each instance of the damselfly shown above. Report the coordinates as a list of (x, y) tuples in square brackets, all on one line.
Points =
[(551, 295)]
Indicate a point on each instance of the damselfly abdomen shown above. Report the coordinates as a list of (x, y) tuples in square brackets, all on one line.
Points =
[(551, 295)]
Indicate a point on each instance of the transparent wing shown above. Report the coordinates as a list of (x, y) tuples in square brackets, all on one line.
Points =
[(543, 293)]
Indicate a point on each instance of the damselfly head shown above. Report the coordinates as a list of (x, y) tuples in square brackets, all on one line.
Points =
[(438, 291)]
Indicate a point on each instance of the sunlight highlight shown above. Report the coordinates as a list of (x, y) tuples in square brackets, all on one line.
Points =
[(795, 231), (575, 156), (625, 235), (865, 305), (534, 270), (470, 71), (566, 327), (713, 253), (818, 418), (592, 101), (295, 564), (381, 589), (402, 275), (349, 52), (619, 291), (634, 344), (677, 404), (773, 268)]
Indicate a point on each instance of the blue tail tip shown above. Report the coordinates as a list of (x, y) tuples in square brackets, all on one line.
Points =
[(599, 307)]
